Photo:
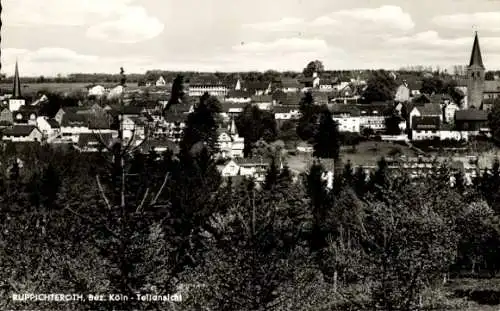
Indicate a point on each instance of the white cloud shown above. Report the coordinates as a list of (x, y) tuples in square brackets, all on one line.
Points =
[(109, 20), (482, 20), (134, 25), (355, 21), (289, 45), (284, 24), (432, 40)]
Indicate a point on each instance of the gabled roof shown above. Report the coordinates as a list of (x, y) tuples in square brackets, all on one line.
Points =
[(239, 94), (471, 115), (430, 109), (94, 140), (344, 109), (262, 98), (475, 57), (128, 110), (290, 83), (53, 123), (228, 107), (74, 120), (19, 130), (205, 81), (159, 143), (426, 123), (253, 86)]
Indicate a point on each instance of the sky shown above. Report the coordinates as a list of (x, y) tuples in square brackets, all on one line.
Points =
[(50, 37)]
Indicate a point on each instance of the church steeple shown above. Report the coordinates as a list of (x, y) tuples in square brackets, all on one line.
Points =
[(16, 93), (475, 58)]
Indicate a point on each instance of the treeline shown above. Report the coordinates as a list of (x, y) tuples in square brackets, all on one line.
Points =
[(125, 222)]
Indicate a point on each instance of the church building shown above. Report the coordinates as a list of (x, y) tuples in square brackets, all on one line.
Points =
[(475, 77)]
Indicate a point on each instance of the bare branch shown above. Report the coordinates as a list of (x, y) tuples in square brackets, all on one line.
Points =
[(153, 202), (143, 200), (88, 219), (101, 141), (103, 194), (127, 147)]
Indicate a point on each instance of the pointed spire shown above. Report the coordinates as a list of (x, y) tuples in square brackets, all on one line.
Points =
[(16, 93), (234, 130), (475, 58)]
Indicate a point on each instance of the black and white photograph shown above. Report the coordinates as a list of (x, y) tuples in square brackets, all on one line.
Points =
[(250, 155)]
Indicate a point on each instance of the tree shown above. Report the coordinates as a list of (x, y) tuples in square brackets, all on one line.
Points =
[(433, 85), (312, 67), (392, 124), (309, 120), (494, 121), (489, 76), (381, 86), (202, 124), (327, 138), (254, 124), (177, 95)]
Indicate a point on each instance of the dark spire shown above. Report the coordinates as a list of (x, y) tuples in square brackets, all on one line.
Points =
[(475, 57), (16, 93)]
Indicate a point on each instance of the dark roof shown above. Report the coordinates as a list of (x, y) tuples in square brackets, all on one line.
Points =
[(283, 109), (426, 123), (176, 117), (94, 140), (129, 110), (254, 86), (475, 57), (492, 86), (422, 98), (239, 94), (19, 130), (288, 99), (344, 109), (200, 81), (73, 119), (430, 109), (226, 106), (53, 123), (290, 83), (262, 98), (159, 143), (471, 115), (373, 109)]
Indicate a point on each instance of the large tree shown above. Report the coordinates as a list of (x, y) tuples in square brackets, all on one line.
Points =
[(494, 121), (202, 124), (312, 67), (177, 95), (381, 86), (255, 124), (309, 119), (327, 138)]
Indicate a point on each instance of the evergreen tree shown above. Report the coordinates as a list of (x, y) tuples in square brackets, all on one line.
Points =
[(177, 95), (359, 180), (50, 186), (347, 174), (327, 138), (202, 124), (272, 175)]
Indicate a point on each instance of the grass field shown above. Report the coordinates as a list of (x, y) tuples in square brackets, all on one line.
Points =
[(55, 87), (367, 154)]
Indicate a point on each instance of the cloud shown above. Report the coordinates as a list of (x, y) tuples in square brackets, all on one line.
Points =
[(110, 20), (355, 21), (284, 24), (289, 45), (432, 40), (466, 21), (134, 25)]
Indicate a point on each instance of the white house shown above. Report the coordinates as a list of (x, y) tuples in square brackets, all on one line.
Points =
[(231, 145), (425, 128), (49, 128), (402, 93), (449, 112), (230, 169), (134, 127), (286, 113), (264, 102), (23, 133), (450, 134), (115, 92), (289, 85), (97, 90), (161, 81), (16, 103), (239, 97), (428, 110), (347, 118)]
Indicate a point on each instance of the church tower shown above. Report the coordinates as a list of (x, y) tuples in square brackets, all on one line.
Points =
[(475, 77), (16, 101)]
